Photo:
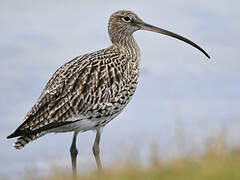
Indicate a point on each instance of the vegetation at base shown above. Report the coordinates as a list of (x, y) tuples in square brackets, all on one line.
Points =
[(214, 165)]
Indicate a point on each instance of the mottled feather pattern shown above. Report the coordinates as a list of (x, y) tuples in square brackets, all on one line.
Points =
[(23, 140), (94, 86), (87, 92)]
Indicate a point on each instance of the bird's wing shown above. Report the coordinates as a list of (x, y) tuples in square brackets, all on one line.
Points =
[(72, 85), (54, 94)]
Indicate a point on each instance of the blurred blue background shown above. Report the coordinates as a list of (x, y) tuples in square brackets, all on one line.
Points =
[(183, 100)]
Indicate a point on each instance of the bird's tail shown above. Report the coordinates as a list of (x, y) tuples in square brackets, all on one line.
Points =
[(23, 140)]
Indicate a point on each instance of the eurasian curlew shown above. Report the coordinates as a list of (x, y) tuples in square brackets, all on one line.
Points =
[(90, 90)]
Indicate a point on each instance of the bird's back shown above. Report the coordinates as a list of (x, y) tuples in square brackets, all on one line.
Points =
[(93, 87)]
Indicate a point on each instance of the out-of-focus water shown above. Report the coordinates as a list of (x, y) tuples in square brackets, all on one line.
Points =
[(183, 99)]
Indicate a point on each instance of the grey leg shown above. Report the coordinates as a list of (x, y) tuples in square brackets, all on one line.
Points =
[(74, 152), (96, 150)]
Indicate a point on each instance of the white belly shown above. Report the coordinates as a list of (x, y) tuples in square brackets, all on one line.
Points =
[(82, 125), (89, 122)]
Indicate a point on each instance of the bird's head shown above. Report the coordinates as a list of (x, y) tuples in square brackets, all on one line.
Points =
[(123, 24)]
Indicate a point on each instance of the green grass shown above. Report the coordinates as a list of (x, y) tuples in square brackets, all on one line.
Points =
[(214, 165)]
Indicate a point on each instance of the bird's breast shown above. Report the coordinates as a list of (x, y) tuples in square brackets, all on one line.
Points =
[(106, 87)]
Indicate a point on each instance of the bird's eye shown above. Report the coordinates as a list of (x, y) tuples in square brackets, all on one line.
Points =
[(126, 19)]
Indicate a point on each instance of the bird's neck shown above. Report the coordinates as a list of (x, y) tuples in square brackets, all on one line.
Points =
[(128, 43)]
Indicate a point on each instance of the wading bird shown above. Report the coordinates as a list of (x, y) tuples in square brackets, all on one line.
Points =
[(92, 89)]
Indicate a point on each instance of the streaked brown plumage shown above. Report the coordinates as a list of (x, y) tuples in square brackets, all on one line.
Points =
[(90, 90)]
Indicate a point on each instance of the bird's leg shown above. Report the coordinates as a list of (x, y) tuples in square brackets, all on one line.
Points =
[(96, 150), (74, 152)]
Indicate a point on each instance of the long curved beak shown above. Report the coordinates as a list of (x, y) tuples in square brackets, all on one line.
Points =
[(148, 27)]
